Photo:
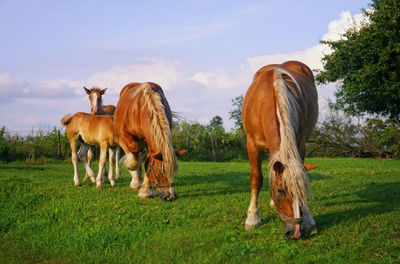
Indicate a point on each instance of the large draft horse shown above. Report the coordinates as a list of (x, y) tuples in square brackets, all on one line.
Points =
[(279, 112), (143, 117), (92, 130)]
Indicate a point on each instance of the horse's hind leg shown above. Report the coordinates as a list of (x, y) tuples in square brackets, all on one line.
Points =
[(111, 159), (102, 161), (74, 159), (256, 181)]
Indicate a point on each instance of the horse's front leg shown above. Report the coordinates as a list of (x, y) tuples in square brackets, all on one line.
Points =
[(256, 181), (111, 159), (147, 190), (102, 161), (131, 148), (117, 167), (137, 179)]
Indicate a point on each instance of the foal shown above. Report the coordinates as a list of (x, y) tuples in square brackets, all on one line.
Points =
[(92, 130), (96, 102), (97, 108)]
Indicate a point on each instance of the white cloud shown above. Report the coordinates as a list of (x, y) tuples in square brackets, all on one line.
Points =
[(163, 72), (197, 96), (237, 82), (11, 87)]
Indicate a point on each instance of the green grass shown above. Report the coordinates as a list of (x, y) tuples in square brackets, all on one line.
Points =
[(45, 219)]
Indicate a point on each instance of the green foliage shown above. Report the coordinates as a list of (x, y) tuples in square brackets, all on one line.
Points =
[(37, 146), (236, 113), (208, 142), (366, 63), (341, 136), (45, 219)]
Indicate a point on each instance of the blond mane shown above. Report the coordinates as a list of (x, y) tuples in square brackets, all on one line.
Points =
[(160, 132), (294, 176)]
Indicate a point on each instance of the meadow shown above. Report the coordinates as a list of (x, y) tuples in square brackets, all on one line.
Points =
[(45, 219)]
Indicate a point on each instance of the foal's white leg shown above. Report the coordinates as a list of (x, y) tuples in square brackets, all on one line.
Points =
[(102, 161), (87, 162), (137, 180), (147, 190), (117, 168), (87, 153), (111, 157), (74, 159)]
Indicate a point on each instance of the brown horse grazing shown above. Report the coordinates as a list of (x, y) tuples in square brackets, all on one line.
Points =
[(279, 112), (143, 116), (92, 130), (96, 102)]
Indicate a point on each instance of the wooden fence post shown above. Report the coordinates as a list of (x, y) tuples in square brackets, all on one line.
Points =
[(59, 144)]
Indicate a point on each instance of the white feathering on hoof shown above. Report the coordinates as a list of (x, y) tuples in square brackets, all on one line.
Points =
[(130, 161)]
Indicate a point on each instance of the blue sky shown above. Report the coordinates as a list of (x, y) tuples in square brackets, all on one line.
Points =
[(203, 53)]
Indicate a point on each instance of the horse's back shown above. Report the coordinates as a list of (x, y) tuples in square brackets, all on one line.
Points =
[(94, 129), (259, 104), (126, 112)]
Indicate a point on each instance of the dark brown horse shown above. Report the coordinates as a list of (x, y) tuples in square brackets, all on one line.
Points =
[(279, 112), (143, 117)]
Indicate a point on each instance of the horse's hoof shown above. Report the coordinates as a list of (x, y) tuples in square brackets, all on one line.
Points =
[(252, 221), (77, 184), (135, 187), (146, 193), (113, 183), (98, 185)]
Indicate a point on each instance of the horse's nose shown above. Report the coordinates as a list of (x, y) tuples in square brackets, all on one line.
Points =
[(163, 195), (290, 231)]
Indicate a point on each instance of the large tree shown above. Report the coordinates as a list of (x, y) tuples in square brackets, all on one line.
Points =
[(366, 63)]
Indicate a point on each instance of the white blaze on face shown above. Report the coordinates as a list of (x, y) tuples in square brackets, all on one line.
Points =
[(296, 212), (94, 102)]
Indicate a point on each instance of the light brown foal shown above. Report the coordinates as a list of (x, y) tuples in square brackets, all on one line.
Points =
[(92, 130)]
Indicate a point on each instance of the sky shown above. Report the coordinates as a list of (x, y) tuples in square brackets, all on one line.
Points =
[(202, 53)]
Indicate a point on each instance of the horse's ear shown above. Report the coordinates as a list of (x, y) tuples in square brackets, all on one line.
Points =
[(103, 91), (180, 152), (278, 167), (158, 156), (310, 166), (86, 90)]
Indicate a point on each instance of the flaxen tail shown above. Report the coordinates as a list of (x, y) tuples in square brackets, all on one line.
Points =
[(66, 119)]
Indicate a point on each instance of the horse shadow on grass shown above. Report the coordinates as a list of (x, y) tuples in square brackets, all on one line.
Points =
[(380, 198), (214, 184), (226, 183)]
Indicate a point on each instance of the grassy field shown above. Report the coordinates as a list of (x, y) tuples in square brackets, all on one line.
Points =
[(45, 219)]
